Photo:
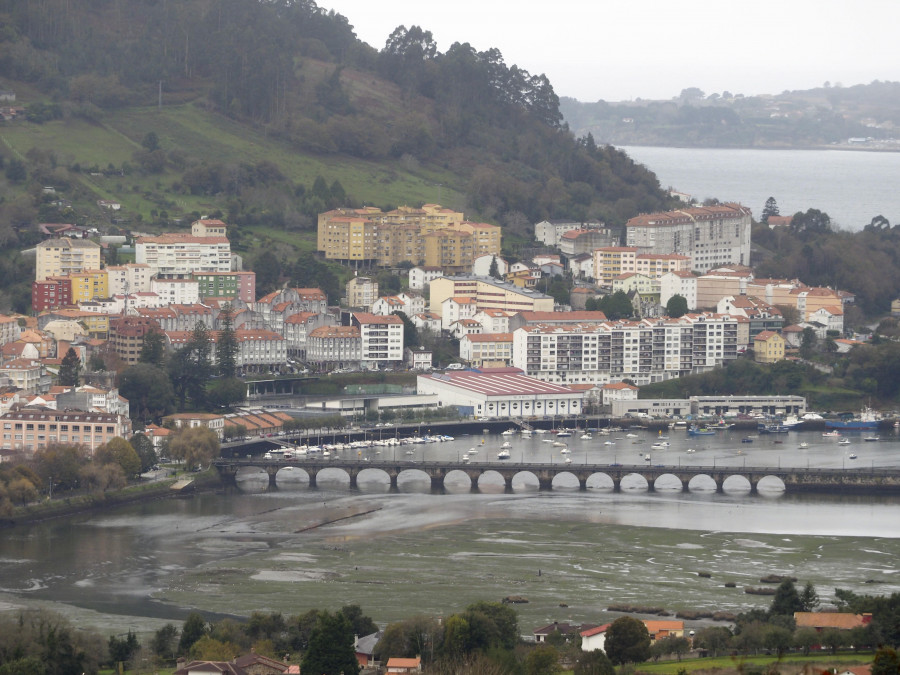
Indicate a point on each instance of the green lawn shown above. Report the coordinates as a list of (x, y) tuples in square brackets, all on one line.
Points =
[(819, 661)]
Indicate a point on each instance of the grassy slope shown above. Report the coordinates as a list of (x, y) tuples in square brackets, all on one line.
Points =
[(207, 136)]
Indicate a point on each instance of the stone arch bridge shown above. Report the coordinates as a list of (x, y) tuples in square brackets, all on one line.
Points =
[(860, 481)]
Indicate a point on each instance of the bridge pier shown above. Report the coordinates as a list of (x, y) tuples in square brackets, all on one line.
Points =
[(582, 484), (617, 484), (228, 476), (273, 484), (312, 478), (651, 485), (720, 485), (353, 475), (754, 487), (545, 483), (393, 477), (437, 483)]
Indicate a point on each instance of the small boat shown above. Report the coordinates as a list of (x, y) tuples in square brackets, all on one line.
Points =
[(803, 445), (473, 451), (844, 441), (872, 439), (701, 431), (547, 440), (631, 435), (506, 445), (852, 455), (659, 446), (508, 432), (609, 442), (565, 451), (831, 434), (586, 437), (568, 460), (503, 454), (690, 451), (646, 458), (558, 444), (563, 434), (746, 439)]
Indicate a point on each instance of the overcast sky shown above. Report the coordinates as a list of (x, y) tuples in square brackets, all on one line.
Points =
[(627, 49)]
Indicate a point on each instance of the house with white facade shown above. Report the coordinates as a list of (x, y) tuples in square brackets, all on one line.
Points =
[(420, 277), (494, 320), (483, 350), (381, 339), (678, 283), (176, 291), (455, 308), (481, 267)]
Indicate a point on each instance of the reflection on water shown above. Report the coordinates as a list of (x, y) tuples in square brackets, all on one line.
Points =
[(410, 550)]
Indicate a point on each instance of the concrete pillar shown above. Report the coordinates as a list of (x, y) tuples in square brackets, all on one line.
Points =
[(393, 477), (353, 475), (582, 484), (754, 487), (508, 483), (273, 485), (651, 485), (437, 483), (545, 483), (617, 484), (720, 485), (312, 478)]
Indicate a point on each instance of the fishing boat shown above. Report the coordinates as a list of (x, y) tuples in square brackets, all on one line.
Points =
[(831, 434), (867, 419), (701, 431), (721, 425), (503, 454)]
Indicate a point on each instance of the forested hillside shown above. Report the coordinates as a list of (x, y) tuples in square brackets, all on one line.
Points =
[(261, 97), (827, 115)]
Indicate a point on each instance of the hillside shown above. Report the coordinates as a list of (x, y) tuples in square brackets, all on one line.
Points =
[(269, 112), (825, 116)]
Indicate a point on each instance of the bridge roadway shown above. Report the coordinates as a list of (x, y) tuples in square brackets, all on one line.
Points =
[(859, 481)]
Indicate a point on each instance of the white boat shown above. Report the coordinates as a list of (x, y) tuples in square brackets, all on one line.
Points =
[(563, 434), (844, 441), (565, 451), (631, 435), (547, 440), (646, 458), (473, 451), (872, 439), (586, 437), (659, 446), (558, 444), (831, 434), (540, 431), (803, 445), (690, 451), (506, 445), (609, 442), (568, 461), (852, 455), (503, 454), (508, 432)]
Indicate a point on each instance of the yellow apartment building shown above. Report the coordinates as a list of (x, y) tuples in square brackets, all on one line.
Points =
[(89, 285), (768, 346), (62, 257)]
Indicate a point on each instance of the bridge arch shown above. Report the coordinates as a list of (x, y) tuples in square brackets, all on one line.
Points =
[(769, 484), (668, 482), (600, 480), (634, 481), (736, 483)]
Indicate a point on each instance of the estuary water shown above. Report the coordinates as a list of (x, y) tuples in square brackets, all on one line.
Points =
[(397, 553), (850, 186)]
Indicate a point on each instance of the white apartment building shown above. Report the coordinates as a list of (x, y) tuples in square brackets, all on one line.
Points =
[(129, 278), (9, 329), (257, 349), (407, 303), (710, 235), (179, 254), (176, 291), (454, 309), (644, 351), (420, 277), (678, 283), (494, 320), (381, 339)]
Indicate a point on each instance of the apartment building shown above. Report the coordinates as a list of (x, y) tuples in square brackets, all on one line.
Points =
[(678, 283), (550, 232), (126, 336), (129, 278), (62, 257), (486, 350), (180, 254), (721, 282), (645, 351), (381, 339), (488, 293), (51, 293), (430, 236), (176, 291), (407, 303), (239, 284), (28, 429), (297, 328), (711, 236), (611, 261), (209, 227), (362, 291), (334, 346), (88, 285), (258, 350)]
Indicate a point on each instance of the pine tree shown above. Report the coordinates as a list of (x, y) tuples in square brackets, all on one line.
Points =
[(227, 346), (770, 209), (331, 647), (494, 270), (70, 369)]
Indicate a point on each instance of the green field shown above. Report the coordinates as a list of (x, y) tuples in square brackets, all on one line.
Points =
[(203, 136)]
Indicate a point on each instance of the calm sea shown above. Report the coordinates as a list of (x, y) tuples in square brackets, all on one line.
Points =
[(850, 186)]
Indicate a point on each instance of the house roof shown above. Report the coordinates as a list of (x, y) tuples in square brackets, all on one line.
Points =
[(397, 662), (596, 630), (656, 626), (840, 620), (765, 336), (556, 626), (498, 384), (619, 385)]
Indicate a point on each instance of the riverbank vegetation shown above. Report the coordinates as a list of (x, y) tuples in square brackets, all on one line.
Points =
[(484, 637)]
